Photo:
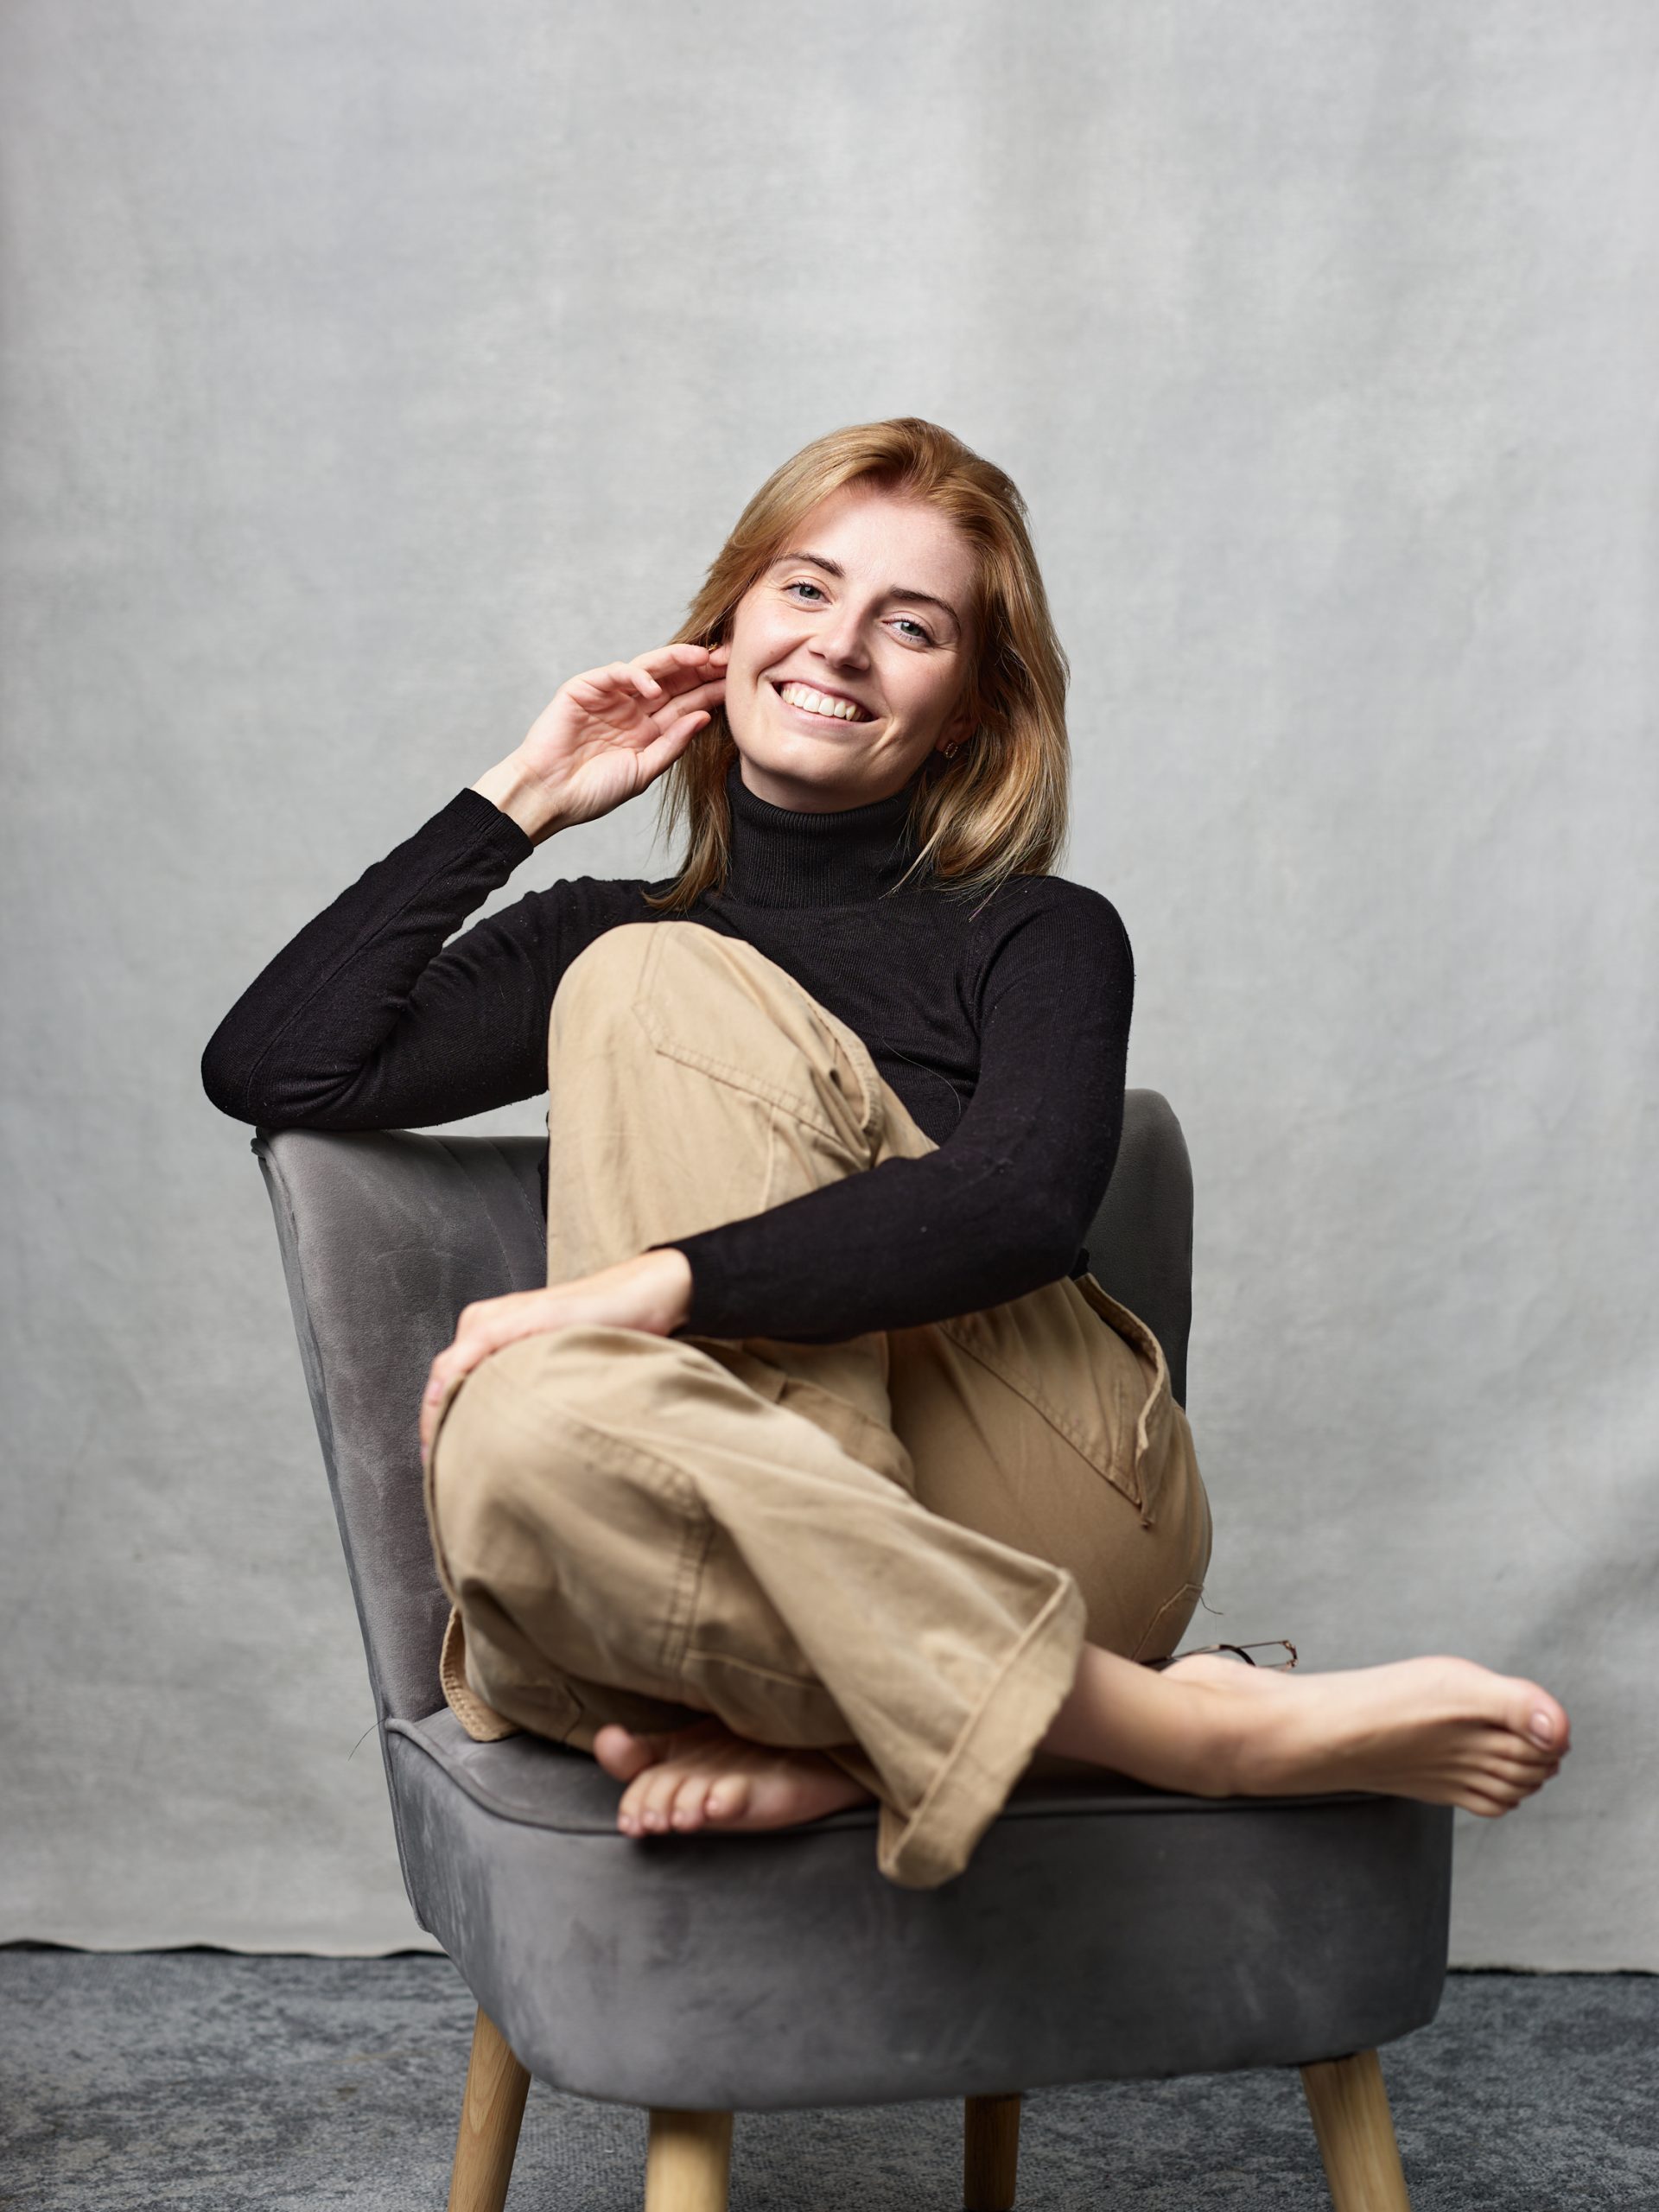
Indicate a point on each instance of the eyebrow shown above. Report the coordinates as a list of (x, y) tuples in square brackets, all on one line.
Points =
[(894, 591)]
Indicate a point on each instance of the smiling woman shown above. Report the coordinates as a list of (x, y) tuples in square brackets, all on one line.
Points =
[(822, 1467), (888, 566), (845, 680)]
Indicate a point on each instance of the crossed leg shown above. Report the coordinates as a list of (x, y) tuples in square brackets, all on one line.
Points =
[(639, 1163), (1442, 1730)]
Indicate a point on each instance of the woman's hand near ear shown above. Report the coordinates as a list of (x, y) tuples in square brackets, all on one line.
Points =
[(650, 1292), (605, 735)]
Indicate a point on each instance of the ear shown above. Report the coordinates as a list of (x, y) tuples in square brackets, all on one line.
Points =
[(959, 728)]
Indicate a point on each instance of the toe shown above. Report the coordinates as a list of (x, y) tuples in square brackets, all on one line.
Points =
[(1477, 1792), (729, 1797), (655, 1797), (642, 1811), (621, 1753), (1523, 1773), (1502, 1753), (689, 1802), (1541, 1719)]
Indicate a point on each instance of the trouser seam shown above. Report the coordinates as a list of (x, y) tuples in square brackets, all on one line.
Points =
[(741, 1078), (738, 1078), (1067, 1430), (1188, 1594), (687, 1587)]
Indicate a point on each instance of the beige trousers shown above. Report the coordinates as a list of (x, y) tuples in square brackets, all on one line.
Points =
[(890, 1549)]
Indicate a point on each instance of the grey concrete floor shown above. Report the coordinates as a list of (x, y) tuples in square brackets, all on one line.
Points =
[(199, 2078)]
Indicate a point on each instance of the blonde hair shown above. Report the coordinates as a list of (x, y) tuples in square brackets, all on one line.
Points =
[(998, 808)]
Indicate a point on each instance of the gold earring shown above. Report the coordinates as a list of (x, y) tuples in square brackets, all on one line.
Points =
[(949, 751)]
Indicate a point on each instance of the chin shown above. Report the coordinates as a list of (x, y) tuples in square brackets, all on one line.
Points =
[(816, 757), (818, 764), (809, 773)]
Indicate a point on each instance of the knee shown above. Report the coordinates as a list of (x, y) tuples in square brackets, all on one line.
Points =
[(636, 965), (494, 1458), (545, 1491), (527, 1453), (636, 958), (601, 984), (621, 948)]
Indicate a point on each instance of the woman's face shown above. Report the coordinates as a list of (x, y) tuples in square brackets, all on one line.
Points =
[(868, 604)]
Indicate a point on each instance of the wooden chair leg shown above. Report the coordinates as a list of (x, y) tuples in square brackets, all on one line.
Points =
[(990, 2153), (491, 2111), (1350, 2117), (689, 2161)]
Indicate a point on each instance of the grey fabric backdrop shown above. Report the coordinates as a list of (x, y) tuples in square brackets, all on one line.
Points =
[(367, 371)]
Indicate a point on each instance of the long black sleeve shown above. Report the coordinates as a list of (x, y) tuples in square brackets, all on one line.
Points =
[(371, 1017), (363, 1021)]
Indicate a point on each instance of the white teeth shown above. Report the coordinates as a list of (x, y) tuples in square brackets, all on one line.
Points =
[(818, 702)]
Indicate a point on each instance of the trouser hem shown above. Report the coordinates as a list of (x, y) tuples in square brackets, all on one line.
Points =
[(480, 1720), (927, 1845)]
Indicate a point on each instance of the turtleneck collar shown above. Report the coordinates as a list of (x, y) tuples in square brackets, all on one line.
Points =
[(782, 856)]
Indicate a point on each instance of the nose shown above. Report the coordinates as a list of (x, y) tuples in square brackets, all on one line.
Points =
[(841, 643)]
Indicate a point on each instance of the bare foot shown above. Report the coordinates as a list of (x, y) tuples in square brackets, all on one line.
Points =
[(705, 1777), (1441, 1730)]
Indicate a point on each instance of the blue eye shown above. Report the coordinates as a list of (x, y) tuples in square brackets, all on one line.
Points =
[(801, 584)]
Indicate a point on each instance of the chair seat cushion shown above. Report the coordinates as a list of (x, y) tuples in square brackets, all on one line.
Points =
[(1102, 1929)]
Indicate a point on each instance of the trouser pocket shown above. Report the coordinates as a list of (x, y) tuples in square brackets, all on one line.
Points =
[(1092, 1370)]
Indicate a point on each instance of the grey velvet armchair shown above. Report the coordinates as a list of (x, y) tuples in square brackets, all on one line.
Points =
[(1103, 1929)]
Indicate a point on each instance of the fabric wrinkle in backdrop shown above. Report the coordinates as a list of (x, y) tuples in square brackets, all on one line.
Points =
[(369, 373)]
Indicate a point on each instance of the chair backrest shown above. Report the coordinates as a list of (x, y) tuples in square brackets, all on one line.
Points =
[(386, 1235)]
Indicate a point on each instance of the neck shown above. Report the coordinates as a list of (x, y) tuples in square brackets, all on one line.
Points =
[(782, 856)]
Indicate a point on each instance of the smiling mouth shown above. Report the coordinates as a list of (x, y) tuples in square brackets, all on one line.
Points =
[(856, 717)]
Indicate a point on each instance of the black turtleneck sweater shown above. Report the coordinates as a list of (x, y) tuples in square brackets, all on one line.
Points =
[(1002, 1023)]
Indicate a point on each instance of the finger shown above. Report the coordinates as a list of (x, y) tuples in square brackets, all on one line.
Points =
[(679, 678), (709, 694), (451, 1366), (431, 1398), (618, 675), (663, 751), (641, 679), (438, 1381), (431, 1404), (663, 660), (670, 667)]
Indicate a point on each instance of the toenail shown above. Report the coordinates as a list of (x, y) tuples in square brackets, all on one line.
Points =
[(1543, 1730)]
